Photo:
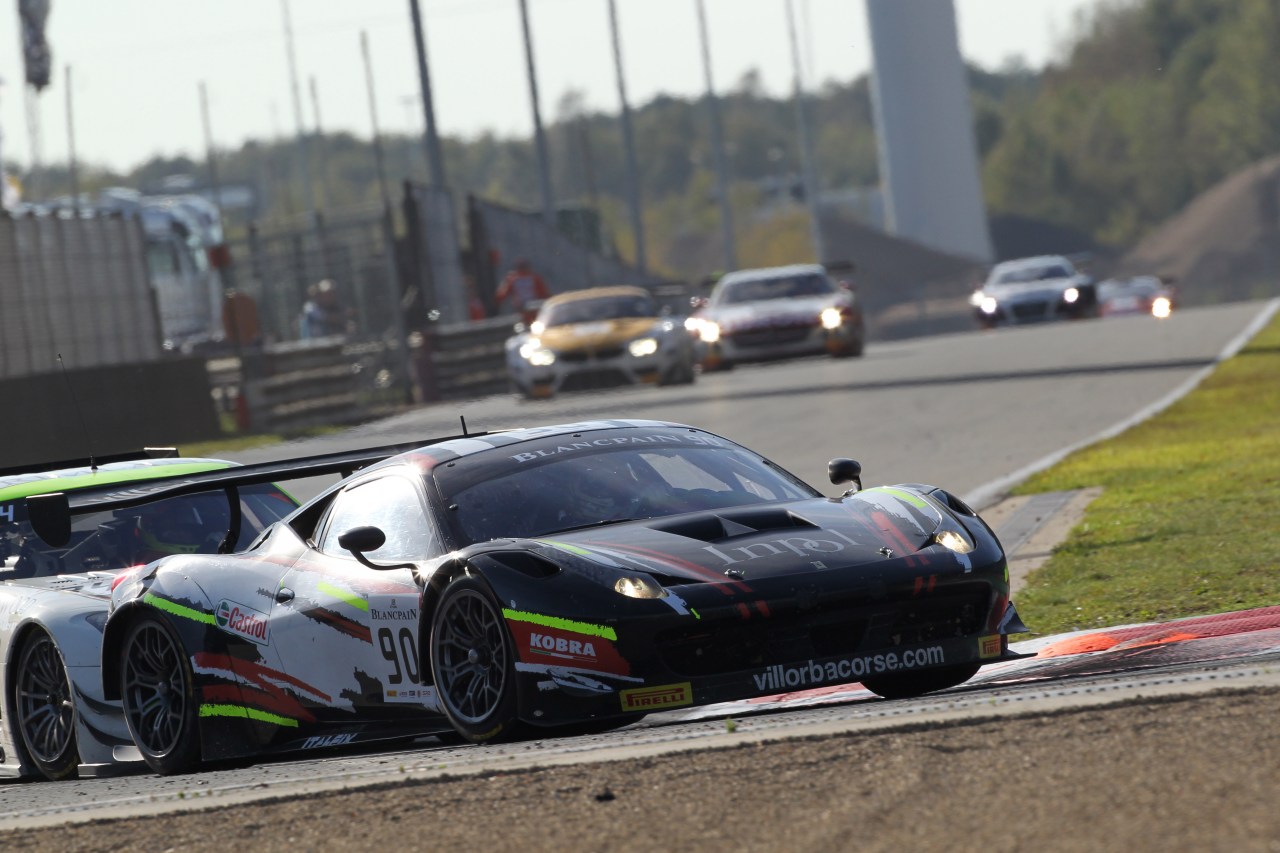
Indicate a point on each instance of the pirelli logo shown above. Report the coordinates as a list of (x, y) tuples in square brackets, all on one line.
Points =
[(651, 698), (989, 647)]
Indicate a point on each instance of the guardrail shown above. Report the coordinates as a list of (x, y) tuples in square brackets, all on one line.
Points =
[(464, 359), (290, 387)]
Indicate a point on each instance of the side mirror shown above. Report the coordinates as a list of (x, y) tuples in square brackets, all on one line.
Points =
[(696, 302), (842, 471), (357, 540)]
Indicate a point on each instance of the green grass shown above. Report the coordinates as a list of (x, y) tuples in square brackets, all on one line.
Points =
[(1188, 519)]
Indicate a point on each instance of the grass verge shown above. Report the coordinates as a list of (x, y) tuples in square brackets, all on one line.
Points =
[(1187, 520)]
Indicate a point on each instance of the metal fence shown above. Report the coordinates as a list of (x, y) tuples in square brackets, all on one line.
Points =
[(75, 286), (501, 235)]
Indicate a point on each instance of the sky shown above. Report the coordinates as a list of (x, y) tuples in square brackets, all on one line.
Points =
[(137, 65)]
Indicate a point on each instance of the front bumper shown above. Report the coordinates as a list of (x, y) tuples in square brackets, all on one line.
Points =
[(779, 342), (586, 371), (701, 646)]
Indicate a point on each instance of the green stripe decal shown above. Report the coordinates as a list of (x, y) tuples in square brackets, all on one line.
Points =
[(177, 609), (344, 595), (561, 624), (914, 500), (565, 546), (246, 713)]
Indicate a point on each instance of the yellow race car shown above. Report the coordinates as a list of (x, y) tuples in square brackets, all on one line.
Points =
[(600, 338)]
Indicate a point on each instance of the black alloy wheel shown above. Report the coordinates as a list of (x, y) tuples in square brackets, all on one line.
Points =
[(905, 685), (473, 662), (46, 711), (156, 685)]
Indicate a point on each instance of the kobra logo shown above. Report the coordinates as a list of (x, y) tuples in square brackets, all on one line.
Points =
[(562, 646), (235, 618)]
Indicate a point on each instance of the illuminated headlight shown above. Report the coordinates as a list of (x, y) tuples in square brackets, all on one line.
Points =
[(988, 305), (1161, 307), (953, 540), (1070, 295), (537, 327), (710, 332), (536, 354), (693, 325), (639, 587), (831, 318), (643, 347)]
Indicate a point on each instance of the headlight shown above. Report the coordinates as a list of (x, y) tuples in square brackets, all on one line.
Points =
[(642, 347), (710, 332), (639, 587), (988, 305), (1161, 307), (693, 325), (831, 318), (1070, 295), (537, 327), (536, 354), (953, 540)]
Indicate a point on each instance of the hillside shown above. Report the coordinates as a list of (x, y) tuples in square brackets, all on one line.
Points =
[(1225, 244)]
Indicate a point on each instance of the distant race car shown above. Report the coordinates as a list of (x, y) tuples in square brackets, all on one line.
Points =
[(1033, 290), (600, 338), (778, 312), (54, 720), (576, 575), (1143, 294)]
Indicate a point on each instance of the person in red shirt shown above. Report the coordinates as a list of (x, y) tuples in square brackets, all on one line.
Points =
[(522, 286)]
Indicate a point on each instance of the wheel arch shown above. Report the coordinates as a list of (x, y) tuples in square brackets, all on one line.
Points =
[(431, 593), (112, 636)]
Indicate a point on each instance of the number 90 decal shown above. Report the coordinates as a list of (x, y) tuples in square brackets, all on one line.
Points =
[(394, 622)]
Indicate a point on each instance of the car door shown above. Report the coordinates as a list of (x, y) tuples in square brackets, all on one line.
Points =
[(345, 630)]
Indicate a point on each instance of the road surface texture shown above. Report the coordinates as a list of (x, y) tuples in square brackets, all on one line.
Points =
[(1175, 774)]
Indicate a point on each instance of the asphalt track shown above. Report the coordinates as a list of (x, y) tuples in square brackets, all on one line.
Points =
[(962, 411)]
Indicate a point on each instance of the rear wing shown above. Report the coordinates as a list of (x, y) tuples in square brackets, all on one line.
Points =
[(128, 456), (50, 514)]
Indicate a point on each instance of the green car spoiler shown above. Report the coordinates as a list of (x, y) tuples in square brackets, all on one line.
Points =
[(50, 514)]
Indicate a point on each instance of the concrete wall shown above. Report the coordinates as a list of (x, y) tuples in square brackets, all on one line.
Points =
[(121, 407), (924, 126)]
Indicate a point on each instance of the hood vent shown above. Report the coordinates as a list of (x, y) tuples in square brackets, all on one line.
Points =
[(717, 527)]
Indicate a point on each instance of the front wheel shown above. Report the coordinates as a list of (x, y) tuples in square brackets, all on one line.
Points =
[(473, 662), (46, 711), (904, 685), (157, 686)]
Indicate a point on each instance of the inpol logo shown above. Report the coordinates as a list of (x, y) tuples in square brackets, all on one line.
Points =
[(242, 621)]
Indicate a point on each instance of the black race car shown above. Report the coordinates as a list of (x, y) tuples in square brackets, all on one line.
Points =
[(578, 575)]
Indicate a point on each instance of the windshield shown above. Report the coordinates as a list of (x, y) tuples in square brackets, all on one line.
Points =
[(785, 287), (580, 489), (1025, 274), (604, 308), (115, 539)]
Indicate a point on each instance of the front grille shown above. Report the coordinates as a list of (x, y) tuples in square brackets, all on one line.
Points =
[(730, 646), (771, 336), (585, 355), (1031, 310), (590, 380)]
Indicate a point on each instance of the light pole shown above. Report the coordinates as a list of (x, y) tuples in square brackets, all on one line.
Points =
[(717, 149)]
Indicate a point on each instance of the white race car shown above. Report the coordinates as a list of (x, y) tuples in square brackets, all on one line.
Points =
[(599, 338), (55, 721)]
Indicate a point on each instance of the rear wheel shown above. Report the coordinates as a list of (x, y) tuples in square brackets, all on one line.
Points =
[(904, 685), (473, 662), (46, 711), (158, 689)]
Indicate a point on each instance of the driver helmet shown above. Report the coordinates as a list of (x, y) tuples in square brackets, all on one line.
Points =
[(179, 526), (594, 492)]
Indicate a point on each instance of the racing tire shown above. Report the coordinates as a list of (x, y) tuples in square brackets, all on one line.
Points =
[(45, 709), (473, 663), (905, 685), (158, 691)]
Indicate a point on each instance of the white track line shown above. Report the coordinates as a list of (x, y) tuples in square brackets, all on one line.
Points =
[(989, 493)]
